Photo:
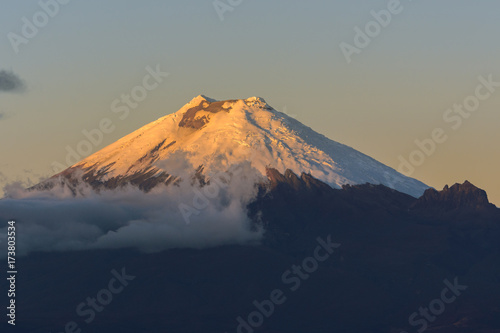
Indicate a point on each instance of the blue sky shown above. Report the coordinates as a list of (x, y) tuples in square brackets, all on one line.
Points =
[(394, 92)]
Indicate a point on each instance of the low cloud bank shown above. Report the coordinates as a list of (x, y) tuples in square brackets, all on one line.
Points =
[(55, 220)]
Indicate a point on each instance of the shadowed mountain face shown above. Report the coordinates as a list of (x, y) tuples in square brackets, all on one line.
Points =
[(461, 202), (191, 118), (396, 256), (459, 196)]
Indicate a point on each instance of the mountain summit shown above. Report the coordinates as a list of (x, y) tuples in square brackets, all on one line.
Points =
[(207, 136)]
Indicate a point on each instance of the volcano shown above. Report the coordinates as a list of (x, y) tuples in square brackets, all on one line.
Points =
[(207, 136)]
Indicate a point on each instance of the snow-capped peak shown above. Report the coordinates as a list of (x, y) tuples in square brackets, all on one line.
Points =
[(201, 98), (219, 134), (256, 101)]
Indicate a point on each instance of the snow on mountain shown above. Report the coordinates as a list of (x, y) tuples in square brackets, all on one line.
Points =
[(215, 135)]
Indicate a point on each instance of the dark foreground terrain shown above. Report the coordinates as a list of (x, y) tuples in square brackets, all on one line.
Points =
[(396, 264)]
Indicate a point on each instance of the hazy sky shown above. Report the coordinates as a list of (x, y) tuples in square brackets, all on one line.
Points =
[(396, 89)]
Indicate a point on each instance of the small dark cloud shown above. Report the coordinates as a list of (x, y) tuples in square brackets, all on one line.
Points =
[(10, 82), (4, 115)]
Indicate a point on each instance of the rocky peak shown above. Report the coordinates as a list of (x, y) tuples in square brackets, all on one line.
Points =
[(458, 196)]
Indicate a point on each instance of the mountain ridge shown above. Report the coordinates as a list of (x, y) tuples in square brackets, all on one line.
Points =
[(213, 136)]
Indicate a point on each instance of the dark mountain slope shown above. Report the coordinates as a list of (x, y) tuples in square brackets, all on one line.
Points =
[(392, 260)]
